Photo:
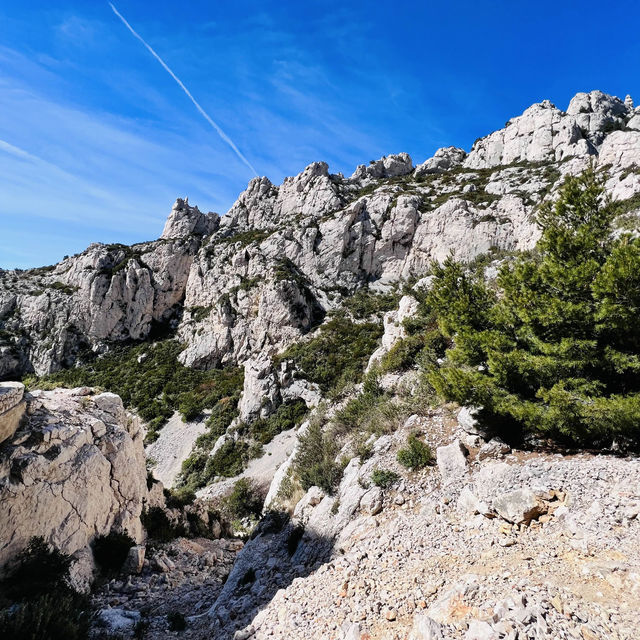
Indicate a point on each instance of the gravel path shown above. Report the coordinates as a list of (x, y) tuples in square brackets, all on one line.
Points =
[(173, 447)]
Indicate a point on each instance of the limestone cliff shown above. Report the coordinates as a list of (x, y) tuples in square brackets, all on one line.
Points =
[(246, 284)]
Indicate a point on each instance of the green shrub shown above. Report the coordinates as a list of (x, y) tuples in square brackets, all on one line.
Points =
[(178, 498), (337, 354), (229, 460), (558, 352), (370, 412), (416, 455), (246, 238), (64, 288), (243, 501), (198, 314), (53, 616), (37, 569), (384, 478), (315, 462), (149, 378), (111, 551), (413, 350), (288, 415), (365, 303)]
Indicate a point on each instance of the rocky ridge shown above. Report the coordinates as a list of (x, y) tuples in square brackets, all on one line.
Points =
[(245, 285)]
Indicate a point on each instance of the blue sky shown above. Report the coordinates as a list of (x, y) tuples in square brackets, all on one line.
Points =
[(97, 140)]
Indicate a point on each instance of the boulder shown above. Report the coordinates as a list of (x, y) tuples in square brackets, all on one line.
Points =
[(469, 503), (135, 559), (426, 628), (12, 408), (443, 160), (371, 501), (495, 448), (387, 167), (452, 461), (468, 422), (518, 506), (481, 630), (118, 621), (260, 393), (85, 454)]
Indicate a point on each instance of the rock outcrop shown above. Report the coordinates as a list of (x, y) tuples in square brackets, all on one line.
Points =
[(108, 293), (12, 408), (185, 220), (74, 470)]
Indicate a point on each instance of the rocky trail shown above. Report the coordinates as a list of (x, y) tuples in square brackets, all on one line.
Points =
[(525, 545), (488, 543)]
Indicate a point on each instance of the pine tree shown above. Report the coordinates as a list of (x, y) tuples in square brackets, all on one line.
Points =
[(557, 348)]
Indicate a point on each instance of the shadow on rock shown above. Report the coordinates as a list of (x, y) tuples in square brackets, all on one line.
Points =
[(278, 552)]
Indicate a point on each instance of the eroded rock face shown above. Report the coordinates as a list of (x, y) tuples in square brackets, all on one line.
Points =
[(74, 470), (443, 159), (108, 293)]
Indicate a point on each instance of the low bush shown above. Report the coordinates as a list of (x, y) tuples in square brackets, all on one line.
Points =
[(365, 303), (315, 463), (287, 416), (244, 501), (371, 412), (37, 599), (178, 498), (194, 472), (384, 478), (53, 616), (111, 551), (416, 455), (37, 569)]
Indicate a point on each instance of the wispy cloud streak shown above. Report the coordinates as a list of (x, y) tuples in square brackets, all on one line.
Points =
[(204, 114)]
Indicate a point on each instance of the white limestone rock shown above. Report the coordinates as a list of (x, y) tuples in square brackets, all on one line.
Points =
[(452, 461), (64, 482), (260, 395), (520, 505), (393, 327), (186, 220), (387, 167), (444, 159)]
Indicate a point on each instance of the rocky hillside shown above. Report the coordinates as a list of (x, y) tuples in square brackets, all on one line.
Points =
[(487, 544), (287, 344), (254, 280)]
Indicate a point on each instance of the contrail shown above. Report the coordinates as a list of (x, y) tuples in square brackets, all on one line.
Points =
[(206, 116)]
